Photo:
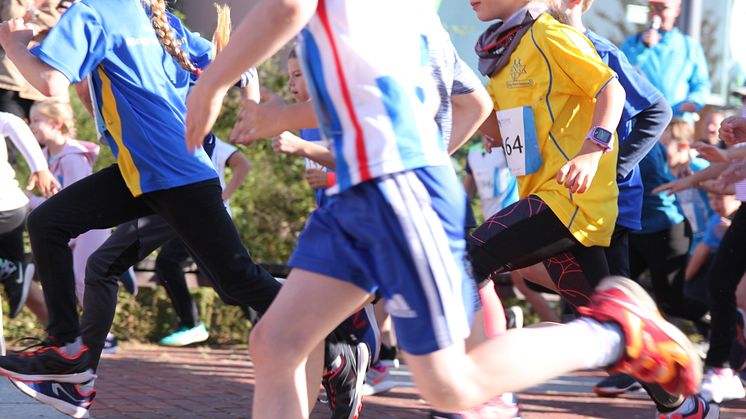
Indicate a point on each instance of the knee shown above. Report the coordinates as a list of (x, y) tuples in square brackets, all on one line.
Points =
[(39, 222), (446, 397), (266, 344)]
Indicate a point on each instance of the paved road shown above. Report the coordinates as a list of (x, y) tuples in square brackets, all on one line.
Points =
[(153, 382)]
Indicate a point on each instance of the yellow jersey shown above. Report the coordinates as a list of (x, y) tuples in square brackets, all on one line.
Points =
[(556, 72)]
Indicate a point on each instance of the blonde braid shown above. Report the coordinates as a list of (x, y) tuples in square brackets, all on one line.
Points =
[(223, 28), (159, 20)]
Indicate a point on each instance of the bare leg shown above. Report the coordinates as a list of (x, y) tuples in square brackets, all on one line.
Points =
[(282, 341), (537, 301), (36, 304)]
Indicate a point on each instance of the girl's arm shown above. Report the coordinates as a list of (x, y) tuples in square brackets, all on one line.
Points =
[(14, 38), (577, 174), (692, 181), (25, 142), (270, 118), (293, 145), (269, 25), (241, 167), (699, 257), (468, 114), (649, 125)]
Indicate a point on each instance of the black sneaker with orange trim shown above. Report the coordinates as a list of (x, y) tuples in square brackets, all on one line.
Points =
[(46, 360), (344, 374)]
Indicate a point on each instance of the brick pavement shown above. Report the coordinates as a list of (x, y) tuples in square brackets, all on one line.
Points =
[(146, 381)]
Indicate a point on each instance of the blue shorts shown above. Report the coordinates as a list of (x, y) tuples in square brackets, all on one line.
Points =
[(403, 235)]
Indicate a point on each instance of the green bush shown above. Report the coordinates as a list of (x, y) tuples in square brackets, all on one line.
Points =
[(150, 316)]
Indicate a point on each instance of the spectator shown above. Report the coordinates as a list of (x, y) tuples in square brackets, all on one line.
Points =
[(672, 61)]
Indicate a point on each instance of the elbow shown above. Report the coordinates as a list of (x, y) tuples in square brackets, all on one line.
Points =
[(297, 10), (53, 84)]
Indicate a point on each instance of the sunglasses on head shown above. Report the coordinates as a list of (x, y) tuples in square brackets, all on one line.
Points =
[(658, 7)]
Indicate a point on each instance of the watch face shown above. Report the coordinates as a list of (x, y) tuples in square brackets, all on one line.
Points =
[(602, 135)]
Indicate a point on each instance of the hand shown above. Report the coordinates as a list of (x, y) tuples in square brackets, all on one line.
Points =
[(203, 107), (711, 153), (15, 31), (651, 37), (733, 130), (687, 106), (257, 120), (488, 143), (675, 186), (45, 181), (577, 174), (734, 173), (287, 143), (316, 178)]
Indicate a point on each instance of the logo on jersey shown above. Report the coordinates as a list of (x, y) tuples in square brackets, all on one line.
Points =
[(517, 71), (397, 307)]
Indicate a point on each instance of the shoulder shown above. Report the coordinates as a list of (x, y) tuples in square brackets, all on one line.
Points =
[(547, 29)]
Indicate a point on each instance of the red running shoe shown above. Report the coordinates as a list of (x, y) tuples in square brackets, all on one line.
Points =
[(655, 351)]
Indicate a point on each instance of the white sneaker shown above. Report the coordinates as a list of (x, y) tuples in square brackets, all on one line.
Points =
[(377, 380), (721, 384)]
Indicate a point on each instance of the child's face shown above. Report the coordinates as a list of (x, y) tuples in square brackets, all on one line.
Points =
[(487, 10), (677, 149), (722, 205), (44, 128), (712, 125), (297, 83)]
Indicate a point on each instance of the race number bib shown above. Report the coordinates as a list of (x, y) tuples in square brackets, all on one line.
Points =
[(520, 142)]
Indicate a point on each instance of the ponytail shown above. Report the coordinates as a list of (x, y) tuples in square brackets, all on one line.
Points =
[(159, 20), (223, 28)]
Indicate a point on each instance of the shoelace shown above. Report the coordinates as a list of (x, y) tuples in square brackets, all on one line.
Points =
[(38, 343)]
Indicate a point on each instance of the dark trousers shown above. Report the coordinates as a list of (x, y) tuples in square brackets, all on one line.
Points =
[(172, 259), (665, 254), (527, 233), (102, 200), (725, 273), (11, 233)]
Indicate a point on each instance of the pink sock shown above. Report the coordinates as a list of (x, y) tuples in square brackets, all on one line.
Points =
[(494, 315)]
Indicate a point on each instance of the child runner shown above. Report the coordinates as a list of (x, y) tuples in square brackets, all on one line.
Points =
[(15, 274), (139, 93), (70, 160), (173, 256), (398, 220)]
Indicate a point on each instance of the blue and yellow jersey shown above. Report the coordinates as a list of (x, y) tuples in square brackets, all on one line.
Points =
[(138, 90), (556, 72)]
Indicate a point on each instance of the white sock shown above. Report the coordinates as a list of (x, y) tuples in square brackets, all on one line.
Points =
[(74, 347), (604, 342), (686, 407)]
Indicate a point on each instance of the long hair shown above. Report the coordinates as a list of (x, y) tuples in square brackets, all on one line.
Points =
[(159, 20), (223, 28)]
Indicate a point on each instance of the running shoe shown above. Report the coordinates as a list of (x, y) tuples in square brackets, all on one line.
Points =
[(17, 278), (514, 317), (110, 345), (47, 361), (655, 351), (503, 406), (71, 399), (343, 378), (377, 380), (738, 350), (388, 355), (702, 410), (615, 385), (186, 336), (720, 385)]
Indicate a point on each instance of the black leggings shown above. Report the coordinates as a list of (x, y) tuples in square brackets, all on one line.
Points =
[(172, 258), (665, 254), (527, 233), (11, 233), (725, 273), (102, 200)]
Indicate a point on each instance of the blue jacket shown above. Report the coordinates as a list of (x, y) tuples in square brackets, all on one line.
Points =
[(676, 66)]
